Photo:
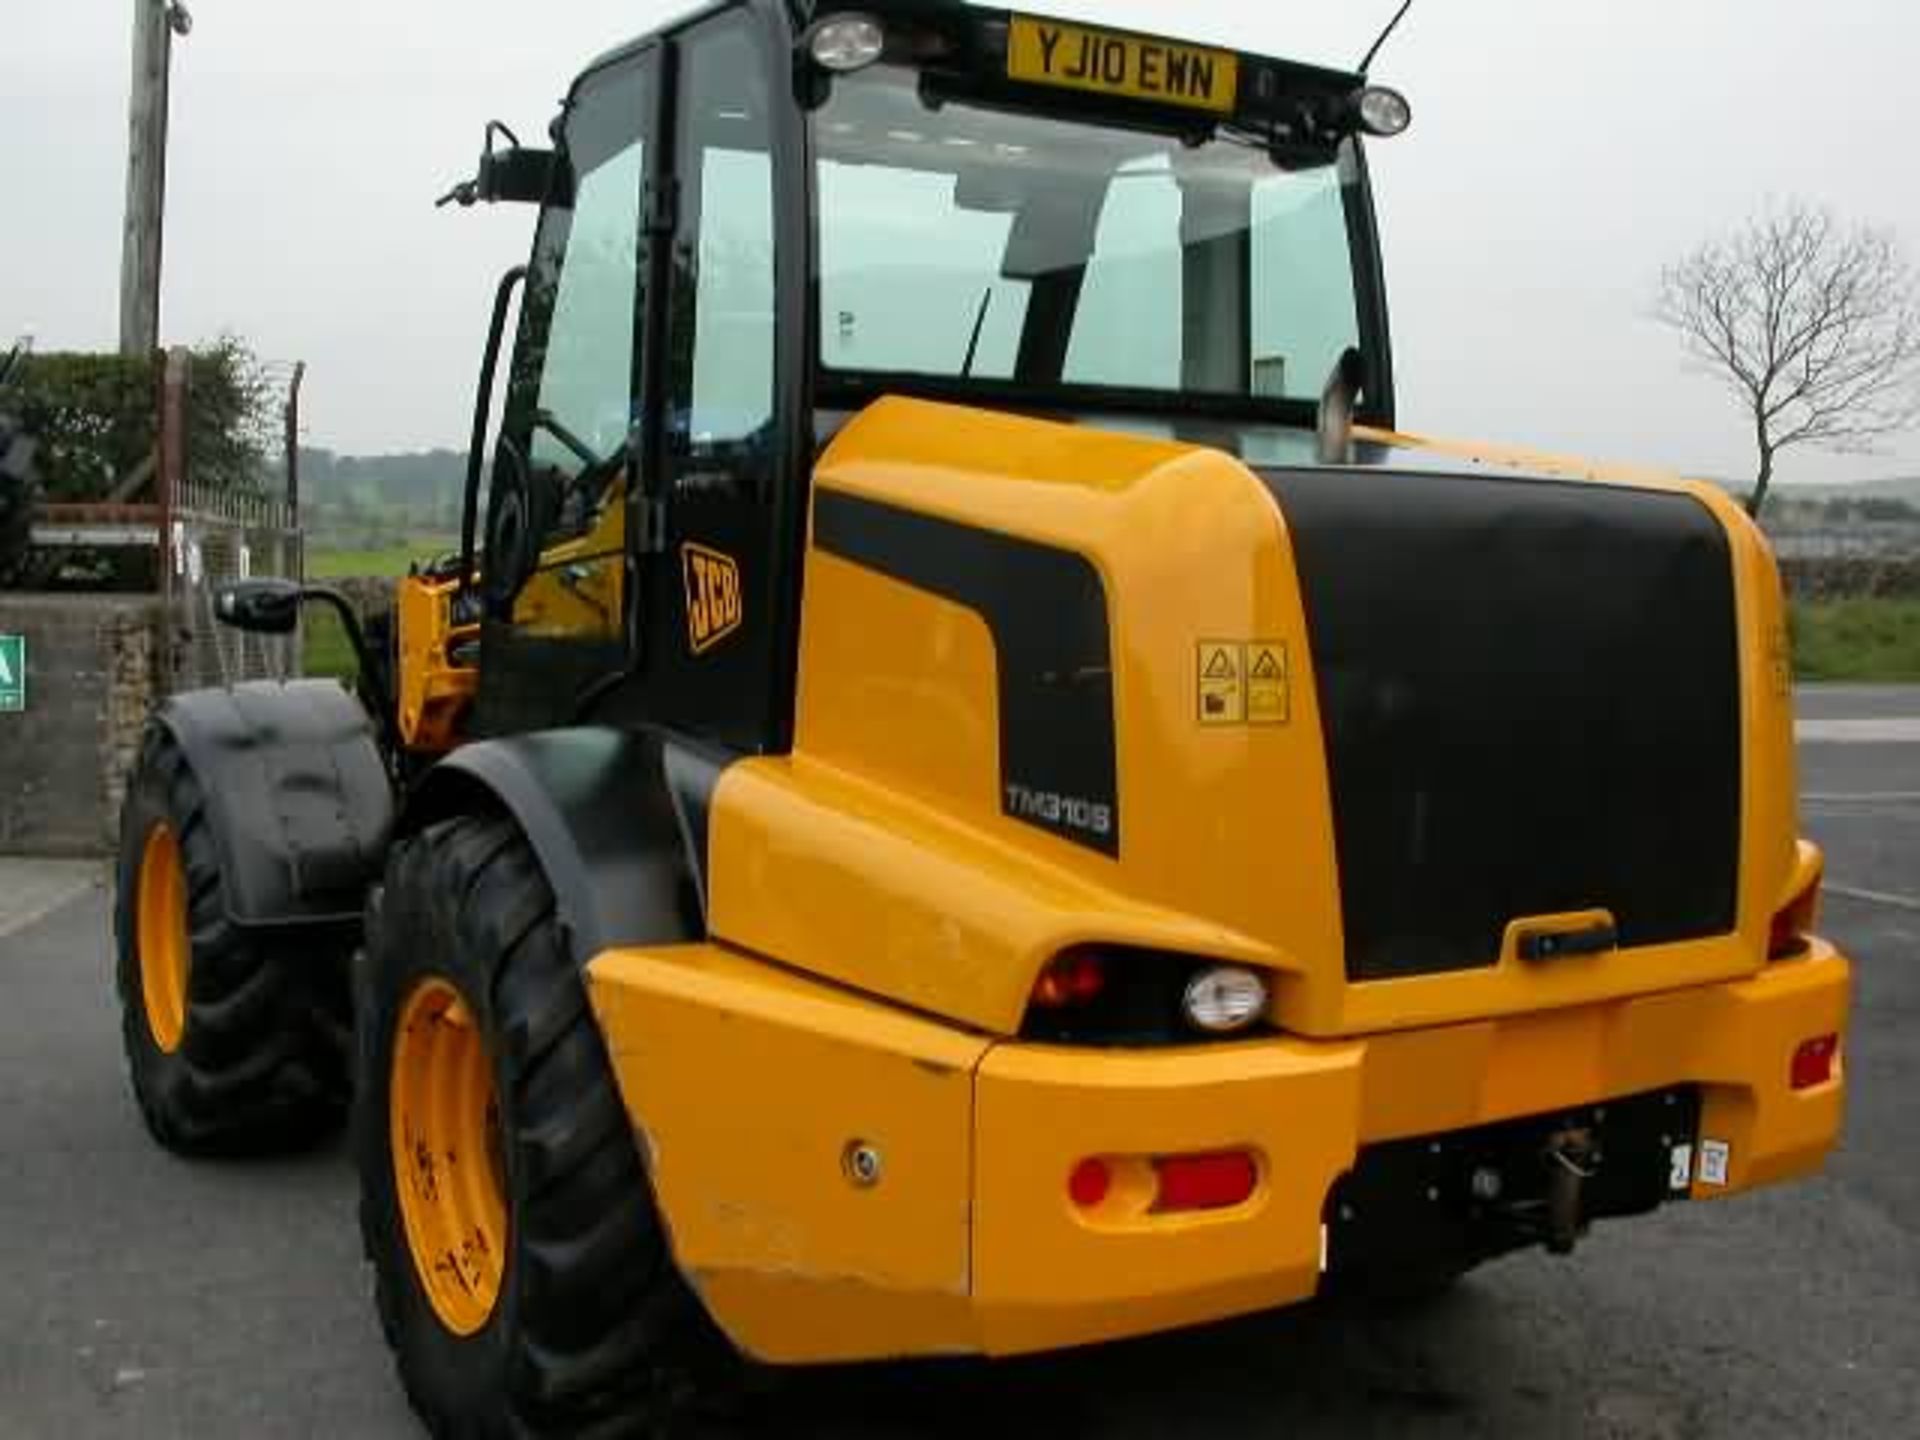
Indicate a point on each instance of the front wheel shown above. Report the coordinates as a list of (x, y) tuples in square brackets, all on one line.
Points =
[(521, 1271)]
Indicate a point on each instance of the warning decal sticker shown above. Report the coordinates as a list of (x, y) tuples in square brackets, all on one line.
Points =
[(1223, 698), (1714, 1155), (1267, 698), (1680, 1175), (1242, 682)]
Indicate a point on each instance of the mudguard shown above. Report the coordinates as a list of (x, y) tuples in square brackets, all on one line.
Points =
[(616, 818), (297, 792)]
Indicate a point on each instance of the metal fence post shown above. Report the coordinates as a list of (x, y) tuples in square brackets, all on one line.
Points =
[(169, 485)]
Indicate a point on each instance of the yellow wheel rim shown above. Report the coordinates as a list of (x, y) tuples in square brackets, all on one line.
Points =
[(160, 909), (444, 1128)]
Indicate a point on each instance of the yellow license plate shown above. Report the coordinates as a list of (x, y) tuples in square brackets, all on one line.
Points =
[(1047, 52)]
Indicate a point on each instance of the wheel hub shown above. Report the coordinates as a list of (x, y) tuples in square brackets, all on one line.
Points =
[(160, 910), (448, 1172)]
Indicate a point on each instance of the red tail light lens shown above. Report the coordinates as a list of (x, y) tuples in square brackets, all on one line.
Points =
[(1089, 1183), (1073, 977), (1814, 1061), (1794, 921), (1204, 1182)]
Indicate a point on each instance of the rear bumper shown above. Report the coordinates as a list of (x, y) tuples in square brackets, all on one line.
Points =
[(749, 1086)]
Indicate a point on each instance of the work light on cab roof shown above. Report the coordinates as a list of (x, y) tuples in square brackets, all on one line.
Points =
[(1110, 62), (844, 43)]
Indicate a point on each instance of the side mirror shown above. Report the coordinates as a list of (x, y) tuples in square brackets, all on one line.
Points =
[(510, 173), (260, 607), (515, 176)]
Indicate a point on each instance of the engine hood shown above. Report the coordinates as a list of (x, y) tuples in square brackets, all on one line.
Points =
[(1064, 684)]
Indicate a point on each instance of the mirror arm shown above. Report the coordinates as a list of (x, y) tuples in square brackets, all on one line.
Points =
[(349, 623), (482, 417)]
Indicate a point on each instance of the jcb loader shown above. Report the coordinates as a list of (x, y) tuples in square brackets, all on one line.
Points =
[(966, 790)]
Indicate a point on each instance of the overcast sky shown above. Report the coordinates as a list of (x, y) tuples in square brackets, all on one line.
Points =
[(1560, 154)]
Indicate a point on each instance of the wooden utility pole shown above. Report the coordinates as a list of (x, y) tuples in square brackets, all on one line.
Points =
[(153, 29)]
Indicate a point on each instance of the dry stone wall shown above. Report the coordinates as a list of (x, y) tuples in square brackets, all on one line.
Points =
[(92, 676)]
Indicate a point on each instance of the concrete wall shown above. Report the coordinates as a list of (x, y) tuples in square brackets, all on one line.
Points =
[(90, 683)]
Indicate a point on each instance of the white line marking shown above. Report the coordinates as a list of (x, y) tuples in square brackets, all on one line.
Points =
[(1890, 730), (1863, 797), (13, 923), (1873, 897)]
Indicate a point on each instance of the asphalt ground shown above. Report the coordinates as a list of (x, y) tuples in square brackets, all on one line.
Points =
[(143, 1296)]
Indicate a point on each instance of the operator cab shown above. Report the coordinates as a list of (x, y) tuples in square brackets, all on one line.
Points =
[(755, 223)]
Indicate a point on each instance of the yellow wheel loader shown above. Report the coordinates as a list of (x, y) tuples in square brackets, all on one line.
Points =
[(966, 790)]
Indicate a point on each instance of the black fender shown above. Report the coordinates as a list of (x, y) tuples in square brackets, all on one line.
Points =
[(616, 818), (297, 792)]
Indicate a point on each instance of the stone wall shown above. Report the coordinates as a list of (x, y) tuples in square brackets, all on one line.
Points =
[(91, 679)]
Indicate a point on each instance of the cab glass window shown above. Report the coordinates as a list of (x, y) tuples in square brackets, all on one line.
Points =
[(977, 240), (576, 376), (726, 395)]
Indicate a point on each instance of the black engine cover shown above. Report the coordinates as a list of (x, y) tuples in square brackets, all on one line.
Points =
[(1530, 691)]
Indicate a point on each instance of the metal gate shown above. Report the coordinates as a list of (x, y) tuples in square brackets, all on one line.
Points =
[(199, 535)]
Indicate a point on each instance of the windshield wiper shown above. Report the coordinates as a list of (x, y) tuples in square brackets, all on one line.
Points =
[(973, 344)]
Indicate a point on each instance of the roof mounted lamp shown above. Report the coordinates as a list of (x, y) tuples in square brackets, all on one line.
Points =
[(845, 43), (1376, 110)]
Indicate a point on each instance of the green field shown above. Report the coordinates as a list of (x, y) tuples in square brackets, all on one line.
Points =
[(328, 564), (1861, 639), (327, 651)]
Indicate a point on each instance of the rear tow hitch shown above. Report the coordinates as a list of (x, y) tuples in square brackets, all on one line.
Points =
[(1572, 1160)]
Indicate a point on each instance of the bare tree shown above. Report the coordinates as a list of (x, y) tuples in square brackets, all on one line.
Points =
[(1815, 329)]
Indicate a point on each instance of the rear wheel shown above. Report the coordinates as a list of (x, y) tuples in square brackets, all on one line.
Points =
[(521, 1271), (235, 1042)]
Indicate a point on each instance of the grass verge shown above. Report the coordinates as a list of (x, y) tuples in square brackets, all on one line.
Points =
[(326, 652), (1860, 639), (390, 560)]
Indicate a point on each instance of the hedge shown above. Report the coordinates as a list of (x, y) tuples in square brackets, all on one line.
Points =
[(96, 418)]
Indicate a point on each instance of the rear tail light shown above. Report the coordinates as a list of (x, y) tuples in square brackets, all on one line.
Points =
[(1131, 1186), (1815, 1061), (1204, 1182), (1793, 922), (1073, 977), (1094, 994), (1089, 1183)]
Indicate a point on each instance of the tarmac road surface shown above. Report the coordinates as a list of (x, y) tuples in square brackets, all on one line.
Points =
[(141, 1296)]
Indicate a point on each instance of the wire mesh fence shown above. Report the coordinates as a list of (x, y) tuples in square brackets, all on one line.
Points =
[(217, 535)]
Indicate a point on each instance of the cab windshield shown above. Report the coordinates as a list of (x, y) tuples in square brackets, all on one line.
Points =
[(972, 242)]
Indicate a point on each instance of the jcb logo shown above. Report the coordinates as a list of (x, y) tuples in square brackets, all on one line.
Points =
[(714, 610)]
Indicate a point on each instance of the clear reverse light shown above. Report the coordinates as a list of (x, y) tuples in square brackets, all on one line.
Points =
[(1224, 998), (846, 42), (1383, 111)]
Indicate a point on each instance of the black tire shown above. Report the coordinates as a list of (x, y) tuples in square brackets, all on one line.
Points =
[(261, 1060), (19, 495), (591, 1331)]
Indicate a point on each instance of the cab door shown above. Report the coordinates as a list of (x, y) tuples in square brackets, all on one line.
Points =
[(722, 624), (561, 601)]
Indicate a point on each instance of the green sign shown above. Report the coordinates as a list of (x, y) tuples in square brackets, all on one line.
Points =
[(13, 673)]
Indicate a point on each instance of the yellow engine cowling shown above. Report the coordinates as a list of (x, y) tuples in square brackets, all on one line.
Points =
[(887, 852)]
